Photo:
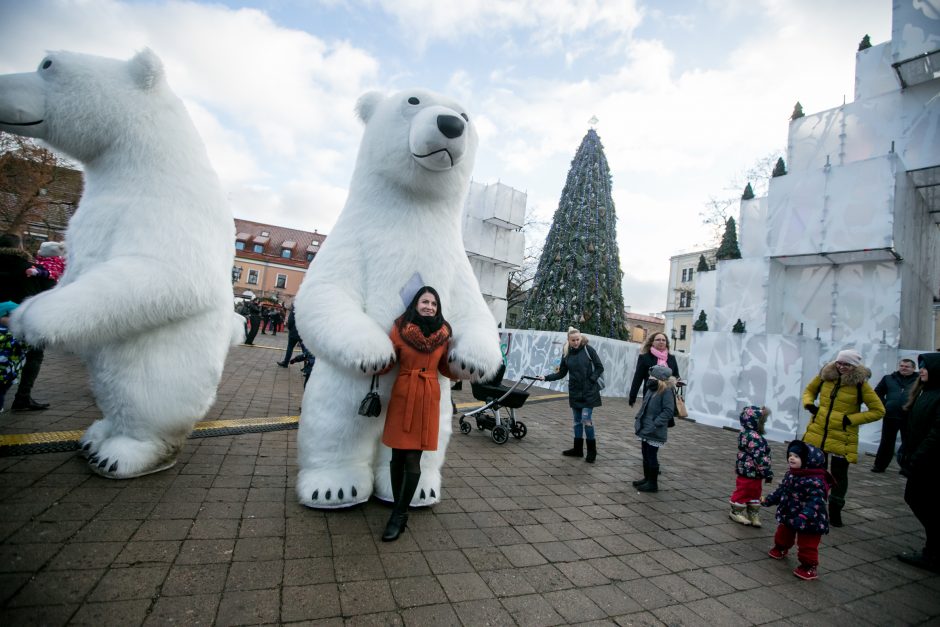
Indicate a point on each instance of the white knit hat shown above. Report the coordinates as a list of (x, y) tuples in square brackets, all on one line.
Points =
[(849, 356)]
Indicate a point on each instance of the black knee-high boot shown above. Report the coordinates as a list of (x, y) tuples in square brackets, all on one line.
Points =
[(399, 518)]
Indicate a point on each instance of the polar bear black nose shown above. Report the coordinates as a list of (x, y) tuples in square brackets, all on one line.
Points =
[(450, 125)]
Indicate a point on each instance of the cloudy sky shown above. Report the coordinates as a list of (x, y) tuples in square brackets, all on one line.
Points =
[(688, 93)]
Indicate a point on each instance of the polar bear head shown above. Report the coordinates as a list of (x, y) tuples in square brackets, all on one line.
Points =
[(83, 105), (417, 140)]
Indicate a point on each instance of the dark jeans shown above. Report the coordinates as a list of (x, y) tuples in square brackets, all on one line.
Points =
[(650, 455), (920, 496), (839, 467), (31, 366), (889, 434), (292, 340)]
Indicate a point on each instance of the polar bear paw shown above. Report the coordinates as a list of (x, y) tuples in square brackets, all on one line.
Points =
[(429, 489), (122, 457), (334, 488)]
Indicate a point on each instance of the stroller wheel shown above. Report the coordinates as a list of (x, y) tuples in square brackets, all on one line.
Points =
[(500, 434), (465, 427), (518, 430)]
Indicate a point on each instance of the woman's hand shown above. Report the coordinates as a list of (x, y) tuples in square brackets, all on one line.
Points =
[(541, 377)]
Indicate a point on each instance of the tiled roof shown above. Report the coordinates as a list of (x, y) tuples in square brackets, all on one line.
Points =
[(641, 318), (277, 239)]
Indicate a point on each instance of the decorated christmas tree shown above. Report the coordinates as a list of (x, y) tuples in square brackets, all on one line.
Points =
[(728, 249), (578, 280)]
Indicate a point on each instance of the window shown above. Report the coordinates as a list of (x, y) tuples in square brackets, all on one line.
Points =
[(281, 281), (258, 248), (265, 234), (685, 299), (239, 245), (681, 331), (252, 277), (687, 274), (285, 252), (310, 256), (236, 274)]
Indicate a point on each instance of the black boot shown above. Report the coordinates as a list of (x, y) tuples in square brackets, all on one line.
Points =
[(645, 479), (577, 450), (398, 521), (591, 451), (652, 484), (27, 403), (835, 516)]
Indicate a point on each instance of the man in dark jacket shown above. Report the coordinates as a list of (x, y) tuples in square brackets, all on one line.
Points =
[(292, 339), (893, 389), (254, 320), (16, 286)]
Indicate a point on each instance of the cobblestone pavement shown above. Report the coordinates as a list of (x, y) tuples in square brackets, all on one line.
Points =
[(523, 536)]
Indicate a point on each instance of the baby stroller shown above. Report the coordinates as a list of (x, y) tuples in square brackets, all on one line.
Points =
[(498, 396)]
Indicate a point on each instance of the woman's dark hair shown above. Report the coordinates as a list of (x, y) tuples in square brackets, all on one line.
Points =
[(411, 311)]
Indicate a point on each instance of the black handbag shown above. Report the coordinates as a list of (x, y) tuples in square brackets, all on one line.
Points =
[(371, 405)]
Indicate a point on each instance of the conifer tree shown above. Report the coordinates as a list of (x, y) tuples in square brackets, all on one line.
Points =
[(865, 43), (797, 111), (780, 169), (578, 280), (702, 264), (702, 323), (748, 192), (729, 242), (738, 327)]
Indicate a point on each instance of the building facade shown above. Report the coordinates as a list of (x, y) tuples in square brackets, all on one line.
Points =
[(271, 261), (641, 326), (680, 296)]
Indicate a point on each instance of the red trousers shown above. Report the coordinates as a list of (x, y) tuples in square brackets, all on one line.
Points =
[(746, 490), (807, 544)]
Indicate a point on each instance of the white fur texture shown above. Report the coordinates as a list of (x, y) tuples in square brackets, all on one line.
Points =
[(402, 217), (146, 297)]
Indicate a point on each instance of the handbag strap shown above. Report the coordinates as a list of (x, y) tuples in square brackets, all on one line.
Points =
[(375, 383)]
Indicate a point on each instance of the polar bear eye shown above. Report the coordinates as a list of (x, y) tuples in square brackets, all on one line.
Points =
[(414, 101), (465, 116), (46, 64)]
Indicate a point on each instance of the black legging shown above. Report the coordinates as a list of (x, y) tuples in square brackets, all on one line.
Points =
[(650, 454), (29, 373), (889, 435), (409, 460), (839, 467)]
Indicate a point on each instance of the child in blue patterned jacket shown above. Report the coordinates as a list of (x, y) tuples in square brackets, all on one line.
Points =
[(801, 502), (752, 467)]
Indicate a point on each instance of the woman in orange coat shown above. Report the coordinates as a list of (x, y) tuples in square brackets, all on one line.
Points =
[(420, 337)]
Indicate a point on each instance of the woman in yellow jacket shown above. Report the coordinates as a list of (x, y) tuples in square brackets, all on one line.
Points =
[(842, 388)]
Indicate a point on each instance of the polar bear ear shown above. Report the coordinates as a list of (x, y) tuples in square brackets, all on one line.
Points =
[(146, 69), (367, 104)]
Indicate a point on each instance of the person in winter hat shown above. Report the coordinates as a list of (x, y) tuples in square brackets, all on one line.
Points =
[(841, 388), (752, 466), (920, 460), (894, 390), (50, 262), (581, 364), (801, 507), (656, 415)]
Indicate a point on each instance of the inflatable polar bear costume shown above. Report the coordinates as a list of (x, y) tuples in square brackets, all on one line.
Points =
[(400, 229), (146, 298)]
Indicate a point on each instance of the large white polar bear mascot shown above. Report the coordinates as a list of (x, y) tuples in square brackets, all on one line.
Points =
[(146, 300), (400, 229)]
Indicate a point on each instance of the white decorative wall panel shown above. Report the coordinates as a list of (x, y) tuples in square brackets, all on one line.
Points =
[(742, 293), (752, 227)]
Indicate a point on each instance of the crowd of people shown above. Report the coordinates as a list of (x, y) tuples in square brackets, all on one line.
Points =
[(810, 497)]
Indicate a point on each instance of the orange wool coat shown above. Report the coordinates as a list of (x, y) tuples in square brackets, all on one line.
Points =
[(412, 420)]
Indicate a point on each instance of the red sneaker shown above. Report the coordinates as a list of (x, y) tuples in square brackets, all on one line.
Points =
[(805, 571), (777, 553)]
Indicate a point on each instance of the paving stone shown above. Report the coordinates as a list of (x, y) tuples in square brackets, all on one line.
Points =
[(185, 579), (199, 609), (310, 603)]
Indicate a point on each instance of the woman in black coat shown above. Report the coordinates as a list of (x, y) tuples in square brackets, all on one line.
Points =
[(655, 351), (920, 460), (582, 366)]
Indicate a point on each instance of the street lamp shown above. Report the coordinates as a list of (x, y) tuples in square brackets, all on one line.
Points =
[(673, 334)]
